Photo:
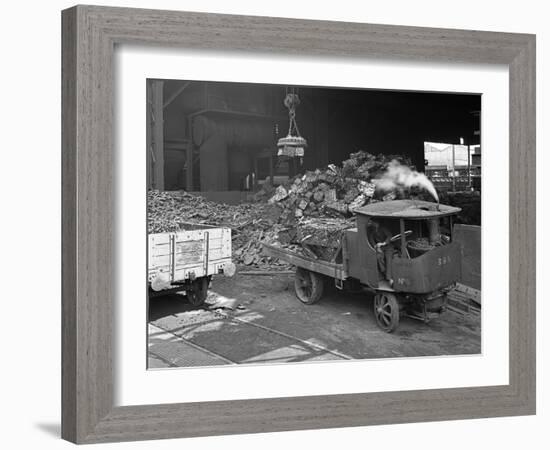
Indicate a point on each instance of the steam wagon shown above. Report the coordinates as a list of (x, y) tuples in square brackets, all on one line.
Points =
[(402, 251)]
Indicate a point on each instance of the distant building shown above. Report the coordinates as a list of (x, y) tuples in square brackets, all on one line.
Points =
[(453, 167)]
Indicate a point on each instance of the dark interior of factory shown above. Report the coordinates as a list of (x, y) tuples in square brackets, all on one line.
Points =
[(221, 138)]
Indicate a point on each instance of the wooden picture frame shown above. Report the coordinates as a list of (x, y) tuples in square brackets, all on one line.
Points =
[(90, 34)]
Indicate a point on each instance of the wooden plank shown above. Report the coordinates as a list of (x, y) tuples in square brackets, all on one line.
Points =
[(216, 235), (183, 273), (474, 294), (183, 247), (469, 237), (159, 239), (323, 267), (70, 417), (199, 271), (88, 211)]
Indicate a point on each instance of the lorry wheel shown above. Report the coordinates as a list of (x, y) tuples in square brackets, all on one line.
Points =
[(308, 286), (386, 311), (198, 292)]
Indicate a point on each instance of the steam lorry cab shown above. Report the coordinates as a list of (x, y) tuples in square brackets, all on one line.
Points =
[(401, 250)]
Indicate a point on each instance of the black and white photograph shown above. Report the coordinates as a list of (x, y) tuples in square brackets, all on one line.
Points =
[(296, 224), (255, 225)]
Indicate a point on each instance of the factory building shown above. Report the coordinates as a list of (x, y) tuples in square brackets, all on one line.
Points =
[(220, 139)]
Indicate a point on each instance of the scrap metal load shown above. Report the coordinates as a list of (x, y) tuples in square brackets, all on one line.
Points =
[(322, 238), (251, 224), (309, 213), (318, 206), (337, 191)]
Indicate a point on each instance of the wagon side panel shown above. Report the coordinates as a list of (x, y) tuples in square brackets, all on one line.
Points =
[(218, 252), (189, 254), (363, 264), (433, 270), (180, 255)]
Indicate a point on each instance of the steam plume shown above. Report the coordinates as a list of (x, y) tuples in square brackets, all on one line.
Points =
[(399, 176)]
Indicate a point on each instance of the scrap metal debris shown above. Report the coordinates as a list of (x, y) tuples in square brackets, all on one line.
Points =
[(309, 211), (337, 191), (250, 223)]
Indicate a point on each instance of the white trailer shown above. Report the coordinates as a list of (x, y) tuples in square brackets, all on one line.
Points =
[(187, 259)]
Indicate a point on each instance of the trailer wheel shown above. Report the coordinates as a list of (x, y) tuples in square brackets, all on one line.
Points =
[(198, 292), (308, 286), (386, 311)]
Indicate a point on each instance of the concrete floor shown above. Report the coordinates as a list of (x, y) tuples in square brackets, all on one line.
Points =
[(257, 319)]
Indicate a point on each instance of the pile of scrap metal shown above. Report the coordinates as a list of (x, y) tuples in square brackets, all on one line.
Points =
[(309, 212), (335, 191), (251, 224), (321, 238)]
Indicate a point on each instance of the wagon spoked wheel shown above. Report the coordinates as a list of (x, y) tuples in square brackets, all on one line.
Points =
[(386, 311), (308, 286), (198, 292)]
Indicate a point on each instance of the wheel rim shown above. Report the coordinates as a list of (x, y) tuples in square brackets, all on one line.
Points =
[(384, 309), (305, 284)]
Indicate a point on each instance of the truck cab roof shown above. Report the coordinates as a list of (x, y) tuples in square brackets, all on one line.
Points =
[(407, 209)]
